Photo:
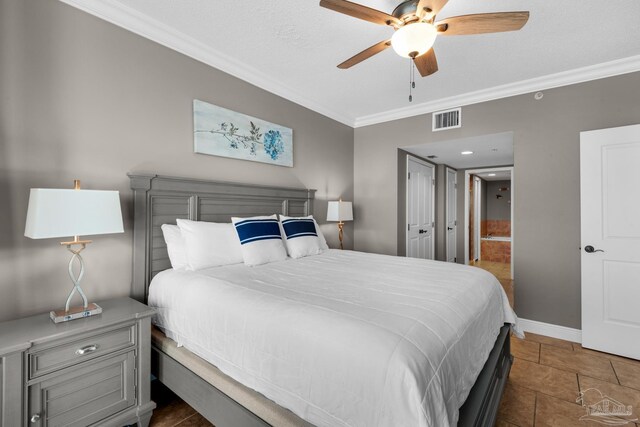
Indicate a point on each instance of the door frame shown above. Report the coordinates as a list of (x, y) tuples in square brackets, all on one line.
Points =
[(477, 217), (446, 213), (467, 174), (433, 204)]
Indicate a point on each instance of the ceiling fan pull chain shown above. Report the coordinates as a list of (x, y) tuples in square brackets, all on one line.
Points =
[(411, 83), (413, 74)]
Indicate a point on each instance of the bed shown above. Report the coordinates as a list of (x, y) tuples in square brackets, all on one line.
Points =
[(342, 338)]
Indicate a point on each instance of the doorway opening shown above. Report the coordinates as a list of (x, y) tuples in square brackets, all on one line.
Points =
[(452, 157), (489, 237)]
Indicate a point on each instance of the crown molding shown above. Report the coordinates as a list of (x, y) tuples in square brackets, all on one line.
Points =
[(564, 78), (130, 19)]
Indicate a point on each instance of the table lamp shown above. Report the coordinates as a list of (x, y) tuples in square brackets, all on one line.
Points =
[(73, 212), (340, 211)]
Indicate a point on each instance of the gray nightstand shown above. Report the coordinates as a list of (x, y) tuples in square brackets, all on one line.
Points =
[(93, 371)]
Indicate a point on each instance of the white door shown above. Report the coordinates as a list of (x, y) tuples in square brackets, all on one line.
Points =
[(452, 224), (610, 239), (420, 209)]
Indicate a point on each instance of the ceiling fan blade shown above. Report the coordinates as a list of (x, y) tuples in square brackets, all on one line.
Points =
[(482, 23), (426, 63), (433, 5), (359, 11), (365, 54)]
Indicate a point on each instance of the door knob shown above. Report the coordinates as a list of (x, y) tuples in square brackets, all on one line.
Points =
[(590, 249), (35, 418), (422, 231), (449, 228)]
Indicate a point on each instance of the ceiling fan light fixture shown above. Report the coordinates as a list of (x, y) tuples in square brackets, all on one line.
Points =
[(413, 40)]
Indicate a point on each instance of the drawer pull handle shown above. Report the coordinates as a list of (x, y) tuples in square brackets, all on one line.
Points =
[(88, 349), (35, 418)]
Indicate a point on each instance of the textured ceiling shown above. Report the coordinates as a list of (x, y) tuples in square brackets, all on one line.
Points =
[(488, 150), (297, 44), (497, 176)]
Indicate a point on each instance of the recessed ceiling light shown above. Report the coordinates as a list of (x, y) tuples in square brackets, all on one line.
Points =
[(492, 174), (466, 153)]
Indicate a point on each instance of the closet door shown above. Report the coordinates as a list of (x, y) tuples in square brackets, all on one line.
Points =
[(420, 209)]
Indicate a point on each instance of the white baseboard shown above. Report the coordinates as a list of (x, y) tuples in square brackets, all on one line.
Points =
[(549, 330)]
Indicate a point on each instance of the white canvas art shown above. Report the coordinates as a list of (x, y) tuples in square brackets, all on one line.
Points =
[(222, 132)]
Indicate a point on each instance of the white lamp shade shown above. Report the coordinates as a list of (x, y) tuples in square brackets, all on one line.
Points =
[(414, 39), (340, 211), (62, 213)]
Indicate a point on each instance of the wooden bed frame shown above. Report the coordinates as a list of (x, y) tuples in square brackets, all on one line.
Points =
[(161, 200)]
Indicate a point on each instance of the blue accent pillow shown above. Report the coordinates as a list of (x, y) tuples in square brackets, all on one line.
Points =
[(253, 229), (260, 239), (299, 227), (301, 236)]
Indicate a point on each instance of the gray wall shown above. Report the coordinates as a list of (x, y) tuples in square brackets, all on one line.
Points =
[(546, 155), (497, 208), (84, 99)]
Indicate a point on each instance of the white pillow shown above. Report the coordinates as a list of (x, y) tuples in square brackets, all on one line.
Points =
[(210, 244), (323, 241), (300, 236), (260, 239), (175, 246)]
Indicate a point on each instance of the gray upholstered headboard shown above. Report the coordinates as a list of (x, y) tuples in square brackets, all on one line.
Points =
[(162, 199)]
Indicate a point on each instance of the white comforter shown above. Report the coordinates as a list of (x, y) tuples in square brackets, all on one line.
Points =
[(343, 338)]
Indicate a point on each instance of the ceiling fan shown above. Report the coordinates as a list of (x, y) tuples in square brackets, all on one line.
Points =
[(416, 29)]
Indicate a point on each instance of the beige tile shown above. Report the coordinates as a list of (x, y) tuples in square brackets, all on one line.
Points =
[(517, 406), (580, 348), (529, 336), (507, 285), (545, 379), (502, 423), (578, 362), (170, 409), (501, 270), (195, 420), (171, 413), (527, 350), (559, 413), (628, 373), (625, 395)]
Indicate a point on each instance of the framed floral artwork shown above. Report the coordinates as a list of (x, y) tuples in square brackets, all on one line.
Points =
[(222, 132)]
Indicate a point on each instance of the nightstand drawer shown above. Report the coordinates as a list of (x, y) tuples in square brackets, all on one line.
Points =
[(83, 395), (66, 353)]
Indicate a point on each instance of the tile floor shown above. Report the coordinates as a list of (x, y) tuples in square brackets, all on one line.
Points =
[(502, 271), (543, 387), (172, 411), (548, 375)]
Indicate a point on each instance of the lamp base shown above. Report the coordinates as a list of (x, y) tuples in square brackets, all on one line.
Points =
[(79, 312)]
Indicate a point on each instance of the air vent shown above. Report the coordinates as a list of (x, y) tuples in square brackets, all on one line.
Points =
[(449, 119)]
